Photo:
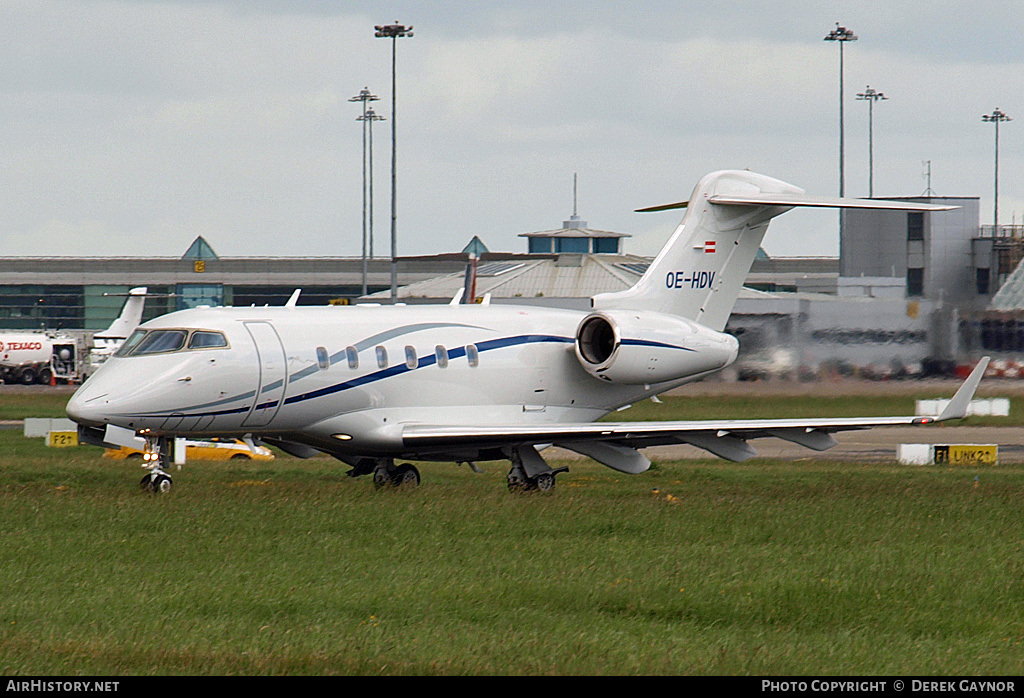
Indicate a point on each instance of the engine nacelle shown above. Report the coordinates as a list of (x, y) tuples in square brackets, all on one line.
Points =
[(634, 347)]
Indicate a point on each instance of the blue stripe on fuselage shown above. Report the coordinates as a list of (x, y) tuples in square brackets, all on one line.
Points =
[(430, 360), (383, 374)]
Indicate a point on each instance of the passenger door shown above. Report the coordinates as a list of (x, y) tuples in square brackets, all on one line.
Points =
[(272, 375)]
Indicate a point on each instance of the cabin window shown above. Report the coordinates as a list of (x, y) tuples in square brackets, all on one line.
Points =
[(410, 357), (204, 339), (353, 357), (322, 358), (382, 357), (472, 355), (441, 354), (160, 342)]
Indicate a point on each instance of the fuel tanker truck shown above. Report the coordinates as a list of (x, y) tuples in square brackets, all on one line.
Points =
[(41, 357), (35, 357)]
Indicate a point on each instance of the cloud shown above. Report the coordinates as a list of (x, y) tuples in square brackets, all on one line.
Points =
[(232, 119)]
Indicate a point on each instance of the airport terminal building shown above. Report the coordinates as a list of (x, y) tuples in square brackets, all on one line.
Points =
[(86, 293), (907, 288)]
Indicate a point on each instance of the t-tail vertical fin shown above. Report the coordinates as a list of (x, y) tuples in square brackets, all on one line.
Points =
[(700, 271), (129, 318)]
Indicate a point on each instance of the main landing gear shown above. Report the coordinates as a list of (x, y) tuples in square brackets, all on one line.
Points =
[(530, 471), (157, 458), (387, 474)]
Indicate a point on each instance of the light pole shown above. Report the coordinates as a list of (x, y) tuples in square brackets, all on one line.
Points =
[(995, 117), (364, 96), (393, 32), (872, 96), (842, 35), (370, 117)]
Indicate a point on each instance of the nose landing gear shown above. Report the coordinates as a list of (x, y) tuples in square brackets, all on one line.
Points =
[(157, 458)]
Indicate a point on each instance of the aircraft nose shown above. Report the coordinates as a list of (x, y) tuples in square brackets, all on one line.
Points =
[(87, 407)]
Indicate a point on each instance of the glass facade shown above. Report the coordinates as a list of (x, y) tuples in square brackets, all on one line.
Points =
[(572, 245), (25, 307), (94, 307)]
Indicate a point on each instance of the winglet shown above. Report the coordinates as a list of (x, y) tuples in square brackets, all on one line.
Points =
[(957, 407)]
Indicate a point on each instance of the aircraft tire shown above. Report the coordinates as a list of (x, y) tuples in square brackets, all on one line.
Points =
[(545, 482), (145, 484), (406, 475), (380, 479), (161, 484)]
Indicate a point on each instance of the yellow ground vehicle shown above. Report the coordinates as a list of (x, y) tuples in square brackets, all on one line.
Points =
[(203, 450)]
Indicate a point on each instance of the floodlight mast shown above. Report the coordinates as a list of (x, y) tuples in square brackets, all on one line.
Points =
[(364, 96), (394, 32), (370, 117), (996, 117), (872, 96), (842, 35)]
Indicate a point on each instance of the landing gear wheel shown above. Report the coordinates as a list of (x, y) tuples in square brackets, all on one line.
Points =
[(517, 483), (381, 478), (161, 484), (157, 483), (406, 475), (545, 482)]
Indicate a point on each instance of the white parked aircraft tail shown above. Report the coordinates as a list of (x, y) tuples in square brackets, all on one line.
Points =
[(130, 317), (699, 272)]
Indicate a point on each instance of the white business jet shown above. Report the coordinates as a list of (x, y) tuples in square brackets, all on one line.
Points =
[(460, 383)]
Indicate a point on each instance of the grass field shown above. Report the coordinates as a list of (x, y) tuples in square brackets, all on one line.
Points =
[(763, 568), (696, 567)]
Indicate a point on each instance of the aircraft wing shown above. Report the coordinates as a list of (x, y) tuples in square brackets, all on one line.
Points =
[(612, 443)]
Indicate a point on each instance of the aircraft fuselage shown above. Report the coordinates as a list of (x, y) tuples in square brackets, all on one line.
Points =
[(349, 377)]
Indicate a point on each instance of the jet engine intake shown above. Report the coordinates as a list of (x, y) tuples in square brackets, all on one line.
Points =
[(632, 347)]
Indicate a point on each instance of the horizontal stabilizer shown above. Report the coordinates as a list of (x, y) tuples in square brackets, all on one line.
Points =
[(783, 199)]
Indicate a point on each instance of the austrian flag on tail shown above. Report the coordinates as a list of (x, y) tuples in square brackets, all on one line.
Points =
[(709, 247)]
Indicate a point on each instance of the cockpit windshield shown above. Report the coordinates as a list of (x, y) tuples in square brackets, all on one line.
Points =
[(130, 343), (146, 342), (160, 342)]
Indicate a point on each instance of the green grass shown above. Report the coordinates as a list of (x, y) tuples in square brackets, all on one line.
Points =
[(701, 567), (32, 404)]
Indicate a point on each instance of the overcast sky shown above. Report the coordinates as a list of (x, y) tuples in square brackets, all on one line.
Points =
[(131, 127)]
